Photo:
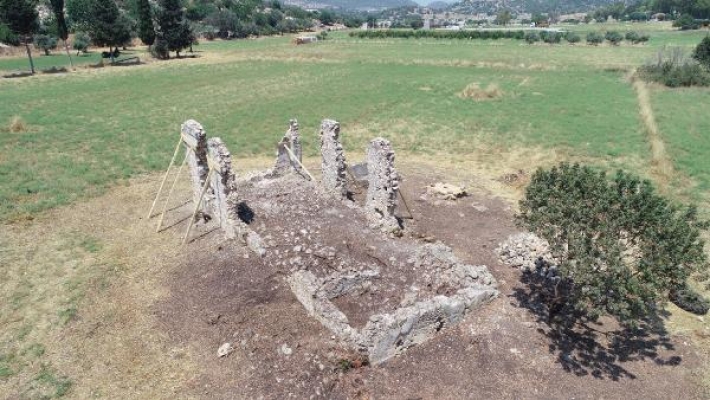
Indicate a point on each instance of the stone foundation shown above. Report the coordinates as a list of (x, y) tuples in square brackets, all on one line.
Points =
[(417, 320)]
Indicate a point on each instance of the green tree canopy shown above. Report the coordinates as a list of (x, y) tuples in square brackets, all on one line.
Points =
[(621, 247), (173, 30)]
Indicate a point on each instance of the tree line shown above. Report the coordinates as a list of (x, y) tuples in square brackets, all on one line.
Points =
[(164, 25)]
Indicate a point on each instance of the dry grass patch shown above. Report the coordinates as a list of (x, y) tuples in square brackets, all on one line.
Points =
[(475, 92), (16, 125)]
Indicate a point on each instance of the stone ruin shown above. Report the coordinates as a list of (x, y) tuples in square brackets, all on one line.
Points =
[(195, 139), (383, 185), (220, 202), (333, 166), (284, 161), (391, 333), (436, 289)]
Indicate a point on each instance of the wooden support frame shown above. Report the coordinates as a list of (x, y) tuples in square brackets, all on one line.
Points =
[(172, 188), (294, 158), (165, 177), (197, 206)]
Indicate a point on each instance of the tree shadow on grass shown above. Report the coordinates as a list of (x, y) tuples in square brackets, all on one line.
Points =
[(597, 348)]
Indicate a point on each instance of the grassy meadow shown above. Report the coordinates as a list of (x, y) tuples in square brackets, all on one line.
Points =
[(67, 138), (86, 130)]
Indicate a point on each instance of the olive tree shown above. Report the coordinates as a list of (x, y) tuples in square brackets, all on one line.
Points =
[(621, 248)]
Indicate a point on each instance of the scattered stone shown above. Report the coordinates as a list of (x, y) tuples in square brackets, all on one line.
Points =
[(285, 350), (446, 191), (225, 349), (524, 251)]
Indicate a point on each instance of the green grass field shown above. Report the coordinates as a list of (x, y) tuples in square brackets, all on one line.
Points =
[(88, 129)]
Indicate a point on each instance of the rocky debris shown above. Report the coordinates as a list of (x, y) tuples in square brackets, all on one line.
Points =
[(445, 191), (333, 158), (255, 243), (195, 137), (524, 251), (285, 350), (225, 349), (383, 186)]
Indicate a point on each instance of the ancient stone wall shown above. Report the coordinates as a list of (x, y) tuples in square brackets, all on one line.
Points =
[(333, 158), (195, 137), (383, 185), (222, 180)]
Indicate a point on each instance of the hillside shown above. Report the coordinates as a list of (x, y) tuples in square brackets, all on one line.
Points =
[(360, 5), (529, 6)]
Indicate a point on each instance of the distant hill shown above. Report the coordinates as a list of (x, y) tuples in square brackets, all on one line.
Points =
[(360, 5), (438, 5), (530, 6)]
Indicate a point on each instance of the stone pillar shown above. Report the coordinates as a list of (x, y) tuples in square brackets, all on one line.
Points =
[(383, 185), (333, 158), (195, 137), (224, 203), (295, 138), (291, 139)]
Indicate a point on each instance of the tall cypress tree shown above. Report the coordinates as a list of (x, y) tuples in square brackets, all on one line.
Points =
[(58, 9), (173, 29), (22, 18), (146, 28), (108, 26)]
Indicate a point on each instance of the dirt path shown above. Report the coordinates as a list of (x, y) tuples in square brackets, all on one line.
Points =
[(661, 163)]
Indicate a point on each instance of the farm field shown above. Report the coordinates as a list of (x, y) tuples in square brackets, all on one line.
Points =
[(70, 143)]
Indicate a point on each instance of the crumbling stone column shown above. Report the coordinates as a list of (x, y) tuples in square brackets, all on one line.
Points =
[(383, 185), (333, 158), (224, 203), (291, 139), (195, 137)]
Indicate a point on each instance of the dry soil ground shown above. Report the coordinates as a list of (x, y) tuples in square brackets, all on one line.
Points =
[(153, 330)]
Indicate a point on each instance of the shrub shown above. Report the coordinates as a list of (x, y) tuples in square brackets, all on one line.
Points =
[(621, 247), (674, 69), (614, 37), (702, 52), (532, 37), (81, 42), (632, 36), (551, 37), (159, 49), (572, 37), (689, 300), (595, 38), (686, 22), (45, 42)]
